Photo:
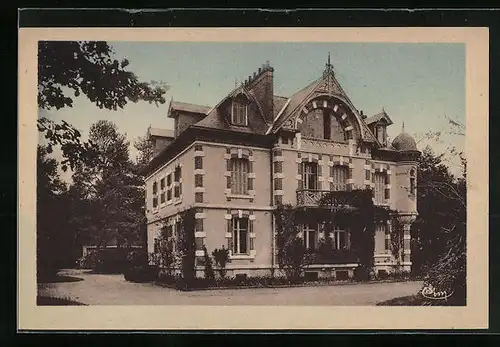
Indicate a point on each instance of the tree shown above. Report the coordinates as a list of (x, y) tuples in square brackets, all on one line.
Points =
[(292, 254), (145, 148), (88, 68), (113, 207), (54, 240)]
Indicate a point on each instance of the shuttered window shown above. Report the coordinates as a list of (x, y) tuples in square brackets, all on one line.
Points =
[(379, 180), (239, 176), (339, 175)]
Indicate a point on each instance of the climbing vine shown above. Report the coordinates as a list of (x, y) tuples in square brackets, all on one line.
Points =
[(353, 209), (397, 246), (185, 244)]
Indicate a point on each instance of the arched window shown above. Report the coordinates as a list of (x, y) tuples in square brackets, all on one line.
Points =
[(239, 176)]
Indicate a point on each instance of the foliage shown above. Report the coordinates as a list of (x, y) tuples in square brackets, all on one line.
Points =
[(145, 150), (292, 254), (109, 195), (165, 257), (54, 240), (221, 257), (185, 245), (397, 246), (208, 268), (87, 68), (141, 273)]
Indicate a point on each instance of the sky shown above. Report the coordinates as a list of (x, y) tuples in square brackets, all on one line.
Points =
[(416, 83)]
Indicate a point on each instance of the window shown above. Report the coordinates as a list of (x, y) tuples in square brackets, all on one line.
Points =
[(155, 196), (310, 176), (240, 235), (379, 180), (339, 175), (340, 238), (162, 191), (310, 236), (327, 125), (177, 185), (239, 176), (198, 180), (239, 115), (198, 163), (380, 133), (412, 181), (169, 187)]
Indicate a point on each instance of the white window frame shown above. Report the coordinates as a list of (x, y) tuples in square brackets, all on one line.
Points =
[(306, 175), (239, 178), (337, 180), (379, 186), (337, 231), (306, 231), (234, 119), (236, 235)]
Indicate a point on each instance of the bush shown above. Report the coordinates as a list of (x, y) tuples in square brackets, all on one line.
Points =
[(141, 273), (361, 274), (221, 257)]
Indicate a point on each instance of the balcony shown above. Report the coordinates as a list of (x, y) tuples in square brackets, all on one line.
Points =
[(315, 198), (341, 256)]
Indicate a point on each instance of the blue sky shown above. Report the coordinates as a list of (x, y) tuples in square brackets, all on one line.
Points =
[(416, 83)]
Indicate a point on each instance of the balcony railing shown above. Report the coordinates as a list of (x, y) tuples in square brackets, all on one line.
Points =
[(334, 257), (313, 198)]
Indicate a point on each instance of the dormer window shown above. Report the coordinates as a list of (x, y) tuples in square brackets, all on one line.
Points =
[(239, 113), (380, 133)]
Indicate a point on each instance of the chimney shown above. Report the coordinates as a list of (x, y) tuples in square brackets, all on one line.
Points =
[(261, 85)]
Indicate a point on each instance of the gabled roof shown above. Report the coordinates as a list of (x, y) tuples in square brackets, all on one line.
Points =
[(381, 115), (187, 107), (295, 101), (160, 132)]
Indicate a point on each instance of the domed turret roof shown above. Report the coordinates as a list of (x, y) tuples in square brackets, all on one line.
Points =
[(404, 141)]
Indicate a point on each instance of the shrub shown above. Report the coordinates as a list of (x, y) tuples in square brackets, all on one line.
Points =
[(141, 273), (361, 274), (209, 270), (221, 257)]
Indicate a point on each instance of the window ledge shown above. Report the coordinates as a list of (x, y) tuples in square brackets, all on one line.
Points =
[(177, 201), (239, 196), (242, 256)]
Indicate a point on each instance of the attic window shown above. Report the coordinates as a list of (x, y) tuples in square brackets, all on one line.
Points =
[(380, 132), (239, 113)]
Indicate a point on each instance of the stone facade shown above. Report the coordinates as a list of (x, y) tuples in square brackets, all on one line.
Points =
[(235, 168)]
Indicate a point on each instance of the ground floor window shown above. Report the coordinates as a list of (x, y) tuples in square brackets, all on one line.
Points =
[(310, 236), (240, 235), (340, 238)]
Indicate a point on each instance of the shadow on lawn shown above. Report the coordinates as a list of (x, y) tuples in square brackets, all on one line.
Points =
[(59, 279), (50, 301), (416, 300)]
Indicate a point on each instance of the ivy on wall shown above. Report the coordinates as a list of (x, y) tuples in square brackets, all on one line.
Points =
[(353, 209), (185, 244)]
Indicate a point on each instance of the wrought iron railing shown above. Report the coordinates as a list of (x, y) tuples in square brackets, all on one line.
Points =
[(313, 197)]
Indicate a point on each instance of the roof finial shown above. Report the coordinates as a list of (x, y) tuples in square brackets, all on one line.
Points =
[(403, 127), (328, 66)]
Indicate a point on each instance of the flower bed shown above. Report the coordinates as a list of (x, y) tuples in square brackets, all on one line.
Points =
[(177, 282)]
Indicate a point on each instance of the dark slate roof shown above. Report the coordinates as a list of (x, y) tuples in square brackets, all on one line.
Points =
[(160, 132), (187, 107), (404, 142), (381, 115), (295, 101), (279, 102)]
